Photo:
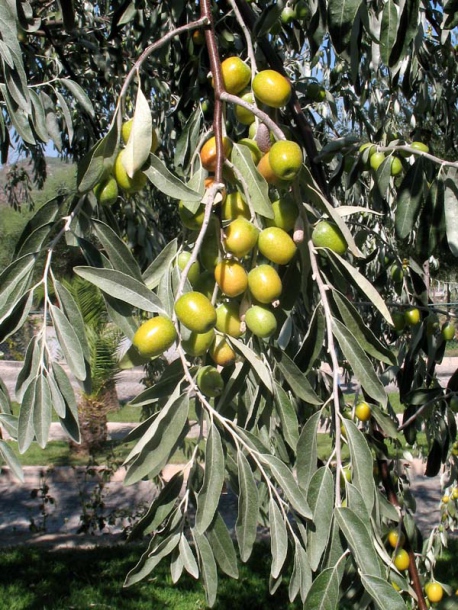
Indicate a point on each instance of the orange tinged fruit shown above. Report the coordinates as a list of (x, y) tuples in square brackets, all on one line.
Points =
[(208, 152), (276, 245), (261, 321), (221, 352), (266, 171), (401, 559), (434, 592), (228, 319), (271, 88), (231, 277), (154, 337), (127, 184), (198, 344), (241, 237), (195, 311), (236, 74), (264, 283), (328, 235), (235, 206), (285, 158)]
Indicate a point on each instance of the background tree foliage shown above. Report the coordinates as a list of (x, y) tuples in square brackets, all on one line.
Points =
[(72, 72)]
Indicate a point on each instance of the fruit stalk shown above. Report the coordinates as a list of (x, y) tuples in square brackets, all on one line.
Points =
[(393, 499)]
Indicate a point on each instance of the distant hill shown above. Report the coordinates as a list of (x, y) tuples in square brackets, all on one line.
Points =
[(59, 174)]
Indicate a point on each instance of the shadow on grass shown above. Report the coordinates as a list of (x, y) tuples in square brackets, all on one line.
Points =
[(35, 578)]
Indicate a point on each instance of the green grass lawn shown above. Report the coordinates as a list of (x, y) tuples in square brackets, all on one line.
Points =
[(36, 579)]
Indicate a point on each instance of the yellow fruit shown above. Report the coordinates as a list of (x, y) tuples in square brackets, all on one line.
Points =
[(396, 538), (328, 235), (285, 158), (264, 284), (194, 271), (234, 207), (434, 592), (190, 220), (228, 319), (363, 411), (285, 214), (412, 316), (241, 237), (209, 381), (272, 88), (231, 277), (130, 185), (221, 352), (236, 74), (455, 493), (244, 116), (198, 37), (106, 192), (401, 559), (445, 499), (261, 321), (154, 337), (195, 311), (198, 344), (276, 245), (208, 152)]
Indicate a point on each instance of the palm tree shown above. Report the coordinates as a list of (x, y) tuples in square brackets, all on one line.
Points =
[(99, 395)]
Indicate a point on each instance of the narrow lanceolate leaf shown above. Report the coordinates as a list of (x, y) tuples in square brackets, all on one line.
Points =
[(361, 460), (18, 270), (364, 336), (79, 94), (410, 195), (138, 146), (223, 547), (321, 499), (257, 187), (278, 538), (260, 368), (42, 411), (324, 592), (286, 481), (122, 287), (17, 317), (359, 541), (168, 183), (307, 452), (451, 209), (248, 508), (388, 30), (73, 314), (296, 379), (26, 432), (152, 557), (153, 273), (69, 343), (364, 285), (288, 417), (196, 183), (8, 455), (341, 16), (117, 251), (187, 556), (150, 454), (359, 362), (301, 577), (209, 495), (93, 165), (57, 400), (207, 566), (383, 593)]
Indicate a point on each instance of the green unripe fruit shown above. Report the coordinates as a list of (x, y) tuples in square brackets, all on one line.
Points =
[(195, 311), (244, 116), (264, 283), (210, 382), (285, 214), (228, 319), (276, 245), (198, 344), (271, 88), (261, 321), (328, 235), (194, 271), (376, 160), (107, 191), (154, 337), (285, 158)]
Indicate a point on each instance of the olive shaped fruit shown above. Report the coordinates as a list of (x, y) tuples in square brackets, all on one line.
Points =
[(125, 182), (243, 115), (236, 74), (231, 278), (264, 283), (221, 352), (276, 245), (209, 381), (198, 344), (194, 270), (208, 152), (241, 237), (271, 88), (328, 235), (285, 214), (261, 321), (228, 319), (195, 311), (285, 157), (154, 337), (235, 206), (106, 192)]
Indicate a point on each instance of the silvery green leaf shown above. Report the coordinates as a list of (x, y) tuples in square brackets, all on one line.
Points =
[(258, 365), (138, 146), (320, 496), (324, 592), (247, 516), (117, 251), (278, 538), (208, 496), (359, 541), (69, 343), (223, 547), (207, 566), (383, 593), (189, 561), (153, 273), (168, 183), (285, 479), (11, 460), (362, 463)]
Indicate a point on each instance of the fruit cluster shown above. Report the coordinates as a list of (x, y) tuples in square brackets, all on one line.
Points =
[(372, 158)]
